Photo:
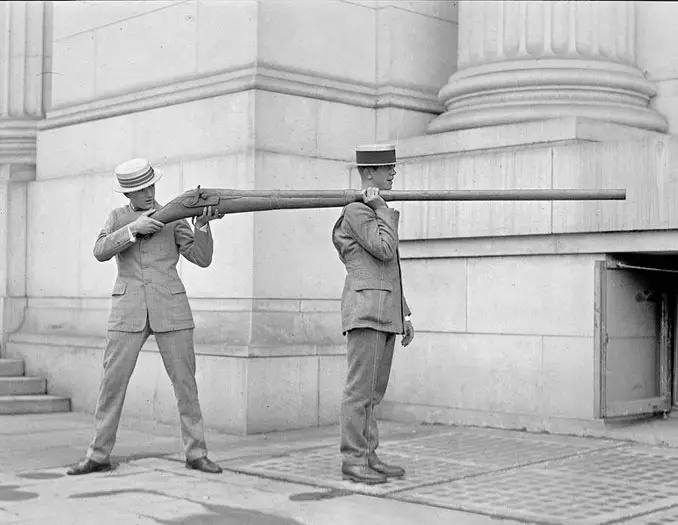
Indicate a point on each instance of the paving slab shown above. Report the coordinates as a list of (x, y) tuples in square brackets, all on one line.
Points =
[(37, 458)]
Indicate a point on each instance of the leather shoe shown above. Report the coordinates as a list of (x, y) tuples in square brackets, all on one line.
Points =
[(87, 466), (390, 471), (204, 464), (362, 474)]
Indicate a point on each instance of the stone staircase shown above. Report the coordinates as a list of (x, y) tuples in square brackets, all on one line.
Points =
[(26, 395)]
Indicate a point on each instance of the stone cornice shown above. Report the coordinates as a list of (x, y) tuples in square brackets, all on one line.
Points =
[(17, 141), (646, 241), (260, 77)]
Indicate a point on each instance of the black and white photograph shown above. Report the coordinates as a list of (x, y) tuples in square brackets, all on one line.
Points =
[(338, 262)]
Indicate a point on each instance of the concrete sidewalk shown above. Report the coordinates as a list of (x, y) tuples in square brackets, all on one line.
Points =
[(466, 476)]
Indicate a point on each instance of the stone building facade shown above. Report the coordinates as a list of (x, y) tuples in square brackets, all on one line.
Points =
[(544, 315)]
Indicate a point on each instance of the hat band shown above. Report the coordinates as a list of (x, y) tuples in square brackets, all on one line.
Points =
[(138, 180), (375, 158)]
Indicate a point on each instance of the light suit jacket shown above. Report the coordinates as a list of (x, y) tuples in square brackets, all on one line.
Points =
[(148, 285), (367, 243)]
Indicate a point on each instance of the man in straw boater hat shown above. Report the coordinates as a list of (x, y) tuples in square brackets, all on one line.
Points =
[(373, 312), (148, 298)]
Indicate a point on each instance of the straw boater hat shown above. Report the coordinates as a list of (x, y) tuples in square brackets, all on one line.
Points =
[(135, 175), (375, 155)]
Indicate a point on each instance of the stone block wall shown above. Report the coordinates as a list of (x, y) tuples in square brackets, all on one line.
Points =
[(502, 340)]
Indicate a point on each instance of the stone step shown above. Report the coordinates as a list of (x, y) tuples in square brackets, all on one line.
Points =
[(33, 404), (20, 386), (11, 367)]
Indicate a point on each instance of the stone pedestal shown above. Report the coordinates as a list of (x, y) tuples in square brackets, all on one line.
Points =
[(525, 60), (22, 63)]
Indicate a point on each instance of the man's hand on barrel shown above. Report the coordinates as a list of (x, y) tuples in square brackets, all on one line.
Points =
[(209, 213), (372, 198)]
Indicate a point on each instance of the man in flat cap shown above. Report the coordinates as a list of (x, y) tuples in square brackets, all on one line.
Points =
[(148, 298), (373, 311)]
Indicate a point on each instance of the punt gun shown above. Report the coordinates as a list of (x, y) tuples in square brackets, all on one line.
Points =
[(192, 202)]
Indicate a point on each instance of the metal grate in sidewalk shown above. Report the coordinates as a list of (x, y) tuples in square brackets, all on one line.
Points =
[(495, 448), (545, 496), (322, 468), (535, 478), (427, 460), (655, 467)]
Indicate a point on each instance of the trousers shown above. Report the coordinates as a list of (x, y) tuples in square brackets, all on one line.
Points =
[(370, 354), (120, 358)]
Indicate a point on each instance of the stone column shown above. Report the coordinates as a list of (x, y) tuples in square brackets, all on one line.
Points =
[(532, 60), (22, 82)]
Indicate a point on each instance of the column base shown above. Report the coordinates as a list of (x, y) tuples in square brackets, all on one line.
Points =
[(529, 90)]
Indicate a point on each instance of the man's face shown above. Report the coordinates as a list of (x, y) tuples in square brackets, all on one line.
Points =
[(142, 199), (382, 177)]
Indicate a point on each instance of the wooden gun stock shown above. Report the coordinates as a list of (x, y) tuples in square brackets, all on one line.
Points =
[(192, 202)]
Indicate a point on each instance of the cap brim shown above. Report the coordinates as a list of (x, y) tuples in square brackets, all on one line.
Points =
[(157, 175), (375, 165)]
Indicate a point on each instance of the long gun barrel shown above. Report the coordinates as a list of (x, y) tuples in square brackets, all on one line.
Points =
[(192, 202)]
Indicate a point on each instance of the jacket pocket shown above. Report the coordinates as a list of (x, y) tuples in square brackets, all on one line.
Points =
[(368, 302), (176, 288), (371, 284), (119, 289)]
